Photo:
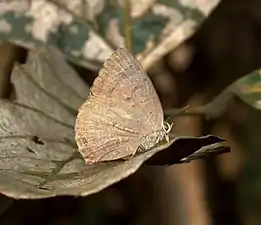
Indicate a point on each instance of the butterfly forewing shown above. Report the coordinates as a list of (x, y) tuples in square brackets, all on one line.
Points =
[(123, 78), (123, 107)]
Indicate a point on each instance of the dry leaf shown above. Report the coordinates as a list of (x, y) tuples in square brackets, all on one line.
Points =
[(38, 157)]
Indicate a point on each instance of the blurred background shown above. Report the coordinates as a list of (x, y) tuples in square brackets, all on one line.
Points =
[(222, 190)]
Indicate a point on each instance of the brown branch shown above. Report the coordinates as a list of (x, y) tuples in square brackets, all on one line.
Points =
[(127, 24)]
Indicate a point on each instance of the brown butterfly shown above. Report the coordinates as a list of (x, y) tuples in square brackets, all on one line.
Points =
[(122, 114)]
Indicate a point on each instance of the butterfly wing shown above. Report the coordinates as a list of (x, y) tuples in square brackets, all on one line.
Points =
[(106, 130), (123, 78), (123, 107)]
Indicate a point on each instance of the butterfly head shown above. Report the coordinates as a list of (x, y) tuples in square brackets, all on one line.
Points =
[(166, 128), (151, 140)]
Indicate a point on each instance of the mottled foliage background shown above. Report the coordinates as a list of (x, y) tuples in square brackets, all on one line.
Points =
[(205, 53)]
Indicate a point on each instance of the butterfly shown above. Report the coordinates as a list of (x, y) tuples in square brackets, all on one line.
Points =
[(122, 115)]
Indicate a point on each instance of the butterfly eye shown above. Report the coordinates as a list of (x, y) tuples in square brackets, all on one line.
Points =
[(167, 127)]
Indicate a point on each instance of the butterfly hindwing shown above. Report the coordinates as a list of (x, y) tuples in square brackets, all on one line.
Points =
[(123, 79)]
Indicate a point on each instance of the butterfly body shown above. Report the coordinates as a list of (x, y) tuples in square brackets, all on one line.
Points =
[(151, 140)]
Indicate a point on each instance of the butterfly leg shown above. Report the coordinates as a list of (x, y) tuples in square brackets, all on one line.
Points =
[(140, 148)]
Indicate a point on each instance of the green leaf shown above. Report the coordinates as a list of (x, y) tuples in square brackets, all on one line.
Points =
[(148, 26), (248, 89), (88, 33), (48, 22)]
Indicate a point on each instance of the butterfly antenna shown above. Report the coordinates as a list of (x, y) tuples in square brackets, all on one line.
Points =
[(179, 111)]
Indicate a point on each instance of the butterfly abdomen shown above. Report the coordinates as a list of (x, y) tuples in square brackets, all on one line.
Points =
[(151, 140)]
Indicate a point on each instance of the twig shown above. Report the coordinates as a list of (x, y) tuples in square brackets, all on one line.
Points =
[(127, 24)]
